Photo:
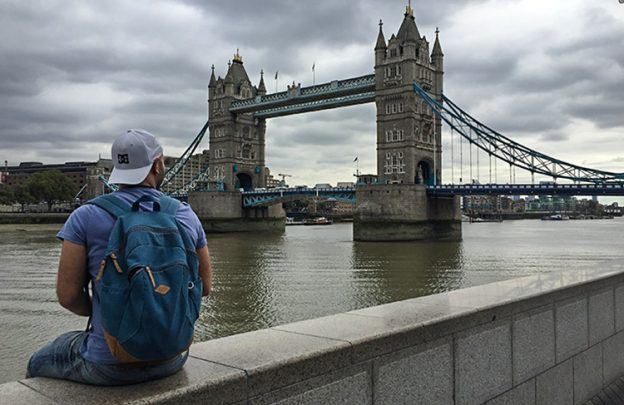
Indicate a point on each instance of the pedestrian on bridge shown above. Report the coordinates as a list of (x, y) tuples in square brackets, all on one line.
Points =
[(146, 257)]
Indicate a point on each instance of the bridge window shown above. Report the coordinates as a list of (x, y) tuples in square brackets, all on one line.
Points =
[(398, 70), (388, 108), (394, 108), (246, 151), (394, 163), (400, 107), (393, 52)]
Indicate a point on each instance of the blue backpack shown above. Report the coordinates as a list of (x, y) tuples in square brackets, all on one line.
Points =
[(148, 283)]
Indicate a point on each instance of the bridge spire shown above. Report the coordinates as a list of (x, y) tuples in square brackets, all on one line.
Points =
[(261, 86), (437, 49), (213, 79), (381, 40)]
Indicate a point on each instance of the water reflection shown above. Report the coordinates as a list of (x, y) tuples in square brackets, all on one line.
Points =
[(243, 286), (267, 280), (387, 272)]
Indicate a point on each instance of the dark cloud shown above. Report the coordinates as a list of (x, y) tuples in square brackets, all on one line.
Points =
[(73, 74)]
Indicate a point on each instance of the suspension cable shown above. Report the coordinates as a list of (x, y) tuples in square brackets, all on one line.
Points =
[(490, 168), (478, 170), (470, 160), (452, 159), (461, 159)]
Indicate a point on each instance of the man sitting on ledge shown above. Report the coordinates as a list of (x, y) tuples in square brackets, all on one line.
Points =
[(124, 345)]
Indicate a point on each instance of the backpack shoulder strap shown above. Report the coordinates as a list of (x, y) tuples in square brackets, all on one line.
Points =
[(111, 204), (169, 205)]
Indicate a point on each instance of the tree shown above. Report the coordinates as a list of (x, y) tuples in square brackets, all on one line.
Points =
[(21, 195), (6, 194), (50, 186)]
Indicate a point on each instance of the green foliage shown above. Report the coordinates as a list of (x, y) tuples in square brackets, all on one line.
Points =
[(21, 195), (50, 186), (6, 194)]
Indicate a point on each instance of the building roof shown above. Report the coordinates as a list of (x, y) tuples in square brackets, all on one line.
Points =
[(236, 73), (381, 40), (437, 49), (408, 30)]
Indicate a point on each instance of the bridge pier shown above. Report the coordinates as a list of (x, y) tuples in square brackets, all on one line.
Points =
[(223, 212), (404, 212)]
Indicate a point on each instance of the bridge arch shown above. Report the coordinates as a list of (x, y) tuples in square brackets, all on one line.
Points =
[(244, 181), (424, 173)]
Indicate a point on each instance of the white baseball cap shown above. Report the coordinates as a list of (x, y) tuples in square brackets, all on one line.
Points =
[(133, 154)]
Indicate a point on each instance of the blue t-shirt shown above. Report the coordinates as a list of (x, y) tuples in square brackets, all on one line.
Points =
[(91, 226)]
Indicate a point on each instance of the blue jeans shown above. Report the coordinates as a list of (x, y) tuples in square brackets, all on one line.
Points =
[(62, 359)]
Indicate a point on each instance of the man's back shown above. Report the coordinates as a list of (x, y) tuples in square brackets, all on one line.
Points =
[(91, 226)]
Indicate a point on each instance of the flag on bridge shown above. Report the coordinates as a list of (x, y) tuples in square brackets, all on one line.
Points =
[(313, 66), (276, 73), (356, 159)]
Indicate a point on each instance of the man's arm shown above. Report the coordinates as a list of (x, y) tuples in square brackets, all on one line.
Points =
[(72, 278), (205, 270)]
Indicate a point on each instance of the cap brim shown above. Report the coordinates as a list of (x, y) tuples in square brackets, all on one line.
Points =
[(129, 176)]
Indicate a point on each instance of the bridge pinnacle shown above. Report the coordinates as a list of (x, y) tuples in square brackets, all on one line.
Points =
[(381, 40), (237, 57)]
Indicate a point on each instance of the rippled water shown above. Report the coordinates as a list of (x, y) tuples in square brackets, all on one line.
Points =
[(266, 280)]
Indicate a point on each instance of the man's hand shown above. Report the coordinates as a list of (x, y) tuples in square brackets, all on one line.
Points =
[(205, 270), (72, 279)]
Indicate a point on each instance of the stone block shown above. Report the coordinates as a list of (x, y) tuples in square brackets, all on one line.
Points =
[(369, 336), (199, 382), (273, 359), (555, 386), (16, 393), (571, 330), (613, 357), (619, 307), (351, 385), (588, 378), (601, 316), (422, 374), (523, 394), (533, 344), (483, 363)]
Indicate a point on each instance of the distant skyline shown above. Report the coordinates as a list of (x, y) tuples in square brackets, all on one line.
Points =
[(75, 74)]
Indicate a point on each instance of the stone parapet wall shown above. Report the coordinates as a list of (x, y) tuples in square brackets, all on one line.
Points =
[(555, 338)]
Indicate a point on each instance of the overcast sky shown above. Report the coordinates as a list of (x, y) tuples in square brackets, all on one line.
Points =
[(74, 74)]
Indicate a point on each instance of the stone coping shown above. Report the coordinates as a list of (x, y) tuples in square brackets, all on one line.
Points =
[(242, 368)]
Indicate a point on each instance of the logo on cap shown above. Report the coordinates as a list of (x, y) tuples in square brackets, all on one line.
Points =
[(123, 159)]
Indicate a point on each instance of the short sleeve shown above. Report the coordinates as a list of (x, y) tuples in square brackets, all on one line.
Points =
[(193, 225), (74, 229)]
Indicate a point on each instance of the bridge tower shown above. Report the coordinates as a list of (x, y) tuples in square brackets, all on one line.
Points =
[(408, 135), (237, 141), (409, 145)]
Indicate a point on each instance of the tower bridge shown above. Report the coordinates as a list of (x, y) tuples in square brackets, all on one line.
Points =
[(409, 200)]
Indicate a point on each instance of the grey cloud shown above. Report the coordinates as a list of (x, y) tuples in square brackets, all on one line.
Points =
[(148, 64)]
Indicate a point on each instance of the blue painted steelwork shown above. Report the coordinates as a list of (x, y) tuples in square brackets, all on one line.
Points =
[(338, 89), (605, 189), (110, 186), (175, 169), (503, 148), (317, 105), (276, 196)]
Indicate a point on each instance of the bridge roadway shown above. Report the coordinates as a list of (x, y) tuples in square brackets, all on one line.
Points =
[(274, 196)]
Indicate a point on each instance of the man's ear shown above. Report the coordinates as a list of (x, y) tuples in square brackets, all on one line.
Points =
[(155, 168)]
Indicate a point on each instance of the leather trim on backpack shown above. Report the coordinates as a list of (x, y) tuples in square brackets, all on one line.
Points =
[(117, 351)]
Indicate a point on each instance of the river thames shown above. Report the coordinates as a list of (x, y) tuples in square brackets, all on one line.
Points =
[(307, 272)]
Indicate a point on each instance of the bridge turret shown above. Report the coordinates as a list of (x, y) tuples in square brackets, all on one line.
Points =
[(380, 47), (237, 141), (408, 145), (437, 59), (261, 87)]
